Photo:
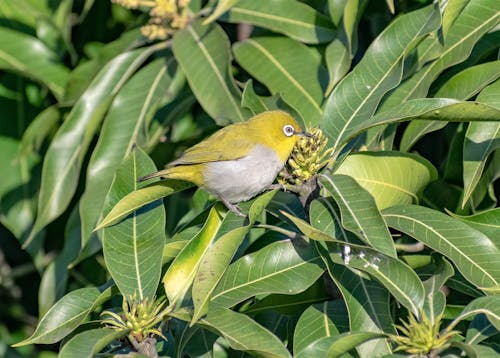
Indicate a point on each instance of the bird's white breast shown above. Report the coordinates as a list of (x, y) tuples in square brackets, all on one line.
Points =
[(241, 179)]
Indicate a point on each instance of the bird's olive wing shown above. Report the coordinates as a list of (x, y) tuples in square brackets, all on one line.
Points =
[(224, 144)]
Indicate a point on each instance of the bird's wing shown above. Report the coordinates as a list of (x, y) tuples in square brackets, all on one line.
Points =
[(222, 145)]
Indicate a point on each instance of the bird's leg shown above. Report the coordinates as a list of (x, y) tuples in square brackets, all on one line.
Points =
[(276, 186), (232, 207)]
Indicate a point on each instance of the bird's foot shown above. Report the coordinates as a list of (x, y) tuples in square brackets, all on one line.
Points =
[(233, 208)]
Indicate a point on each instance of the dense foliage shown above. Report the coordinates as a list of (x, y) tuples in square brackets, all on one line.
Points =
[(393, 249)]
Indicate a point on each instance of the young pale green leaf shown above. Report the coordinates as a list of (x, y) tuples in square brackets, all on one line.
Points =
[(122, 129), (385, 175), (472, 252), (140, 197), (488, 222), (132, 248), (292, 18), (367, 301), (462, 86), (217, 258), (67, 314), (204, 55), (481, 139), (286, 267), (182, 271), (30, 57), (360, 214), (243, 333), (489, 306), (88, 343), (476, 19), (336, 346), (355, 99), (289, 68), (64, 158)]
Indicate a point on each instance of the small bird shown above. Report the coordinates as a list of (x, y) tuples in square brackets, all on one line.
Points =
[(238, 161)]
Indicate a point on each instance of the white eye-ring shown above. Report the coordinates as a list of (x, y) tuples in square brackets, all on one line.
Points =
[(289, 130)]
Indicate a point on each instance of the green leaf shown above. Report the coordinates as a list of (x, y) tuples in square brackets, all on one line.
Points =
[(472, 252), (18, 187), (476, 19), (393, 274), (479, 330), (88, 343), (359, 212), (488, 222), (38, 130), (67, 314), (385, 175), (336, 346), (462, 86), (30, 57), (489, 306), (481, 139), (217, 258), (355, 99), (244, 334), (286, 67), (286, 267), (292, 18), (435, 300), (314, 323), (182, 271), (131, 248), (138, 198), (64, 158), (123, 128), (221, 7), (204, 55)]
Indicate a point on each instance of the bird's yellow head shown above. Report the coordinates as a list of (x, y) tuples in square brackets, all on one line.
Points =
[(277, 130)]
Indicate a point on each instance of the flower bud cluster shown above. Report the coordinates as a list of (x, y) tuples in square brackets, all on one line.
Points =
[(307, 159), (167, 16), (140, 317)]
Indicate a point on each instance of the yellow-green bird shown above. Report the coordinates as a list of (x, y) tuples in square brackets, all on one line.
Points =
[(238, 161)]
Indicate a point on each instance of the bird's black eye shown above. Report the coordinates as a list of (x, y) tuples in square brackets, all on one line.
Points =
[(289, 130)]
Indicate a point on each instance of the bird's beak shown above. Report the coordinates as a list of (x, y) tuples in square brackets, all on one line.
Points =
[(304, 134)]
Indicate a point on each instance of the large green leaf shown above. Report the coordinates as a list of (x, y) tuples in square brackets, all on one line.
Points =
[(131, 247), (314, 323), (477, 18), (472, 252), (488, 222), (67, 314), (356, 98), (289, 68), (367, 300), (243, 333), (462, 86), (292, 18), (180, 275), (286, 267), (337, 346), (88, 343), (140, 197), (204, 55), (31, 58), (489, 306), (392, 178), (338, 246), (64, 158), (360, 214), (123, 128), (481, 139), (18, 187), (217, 258)]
